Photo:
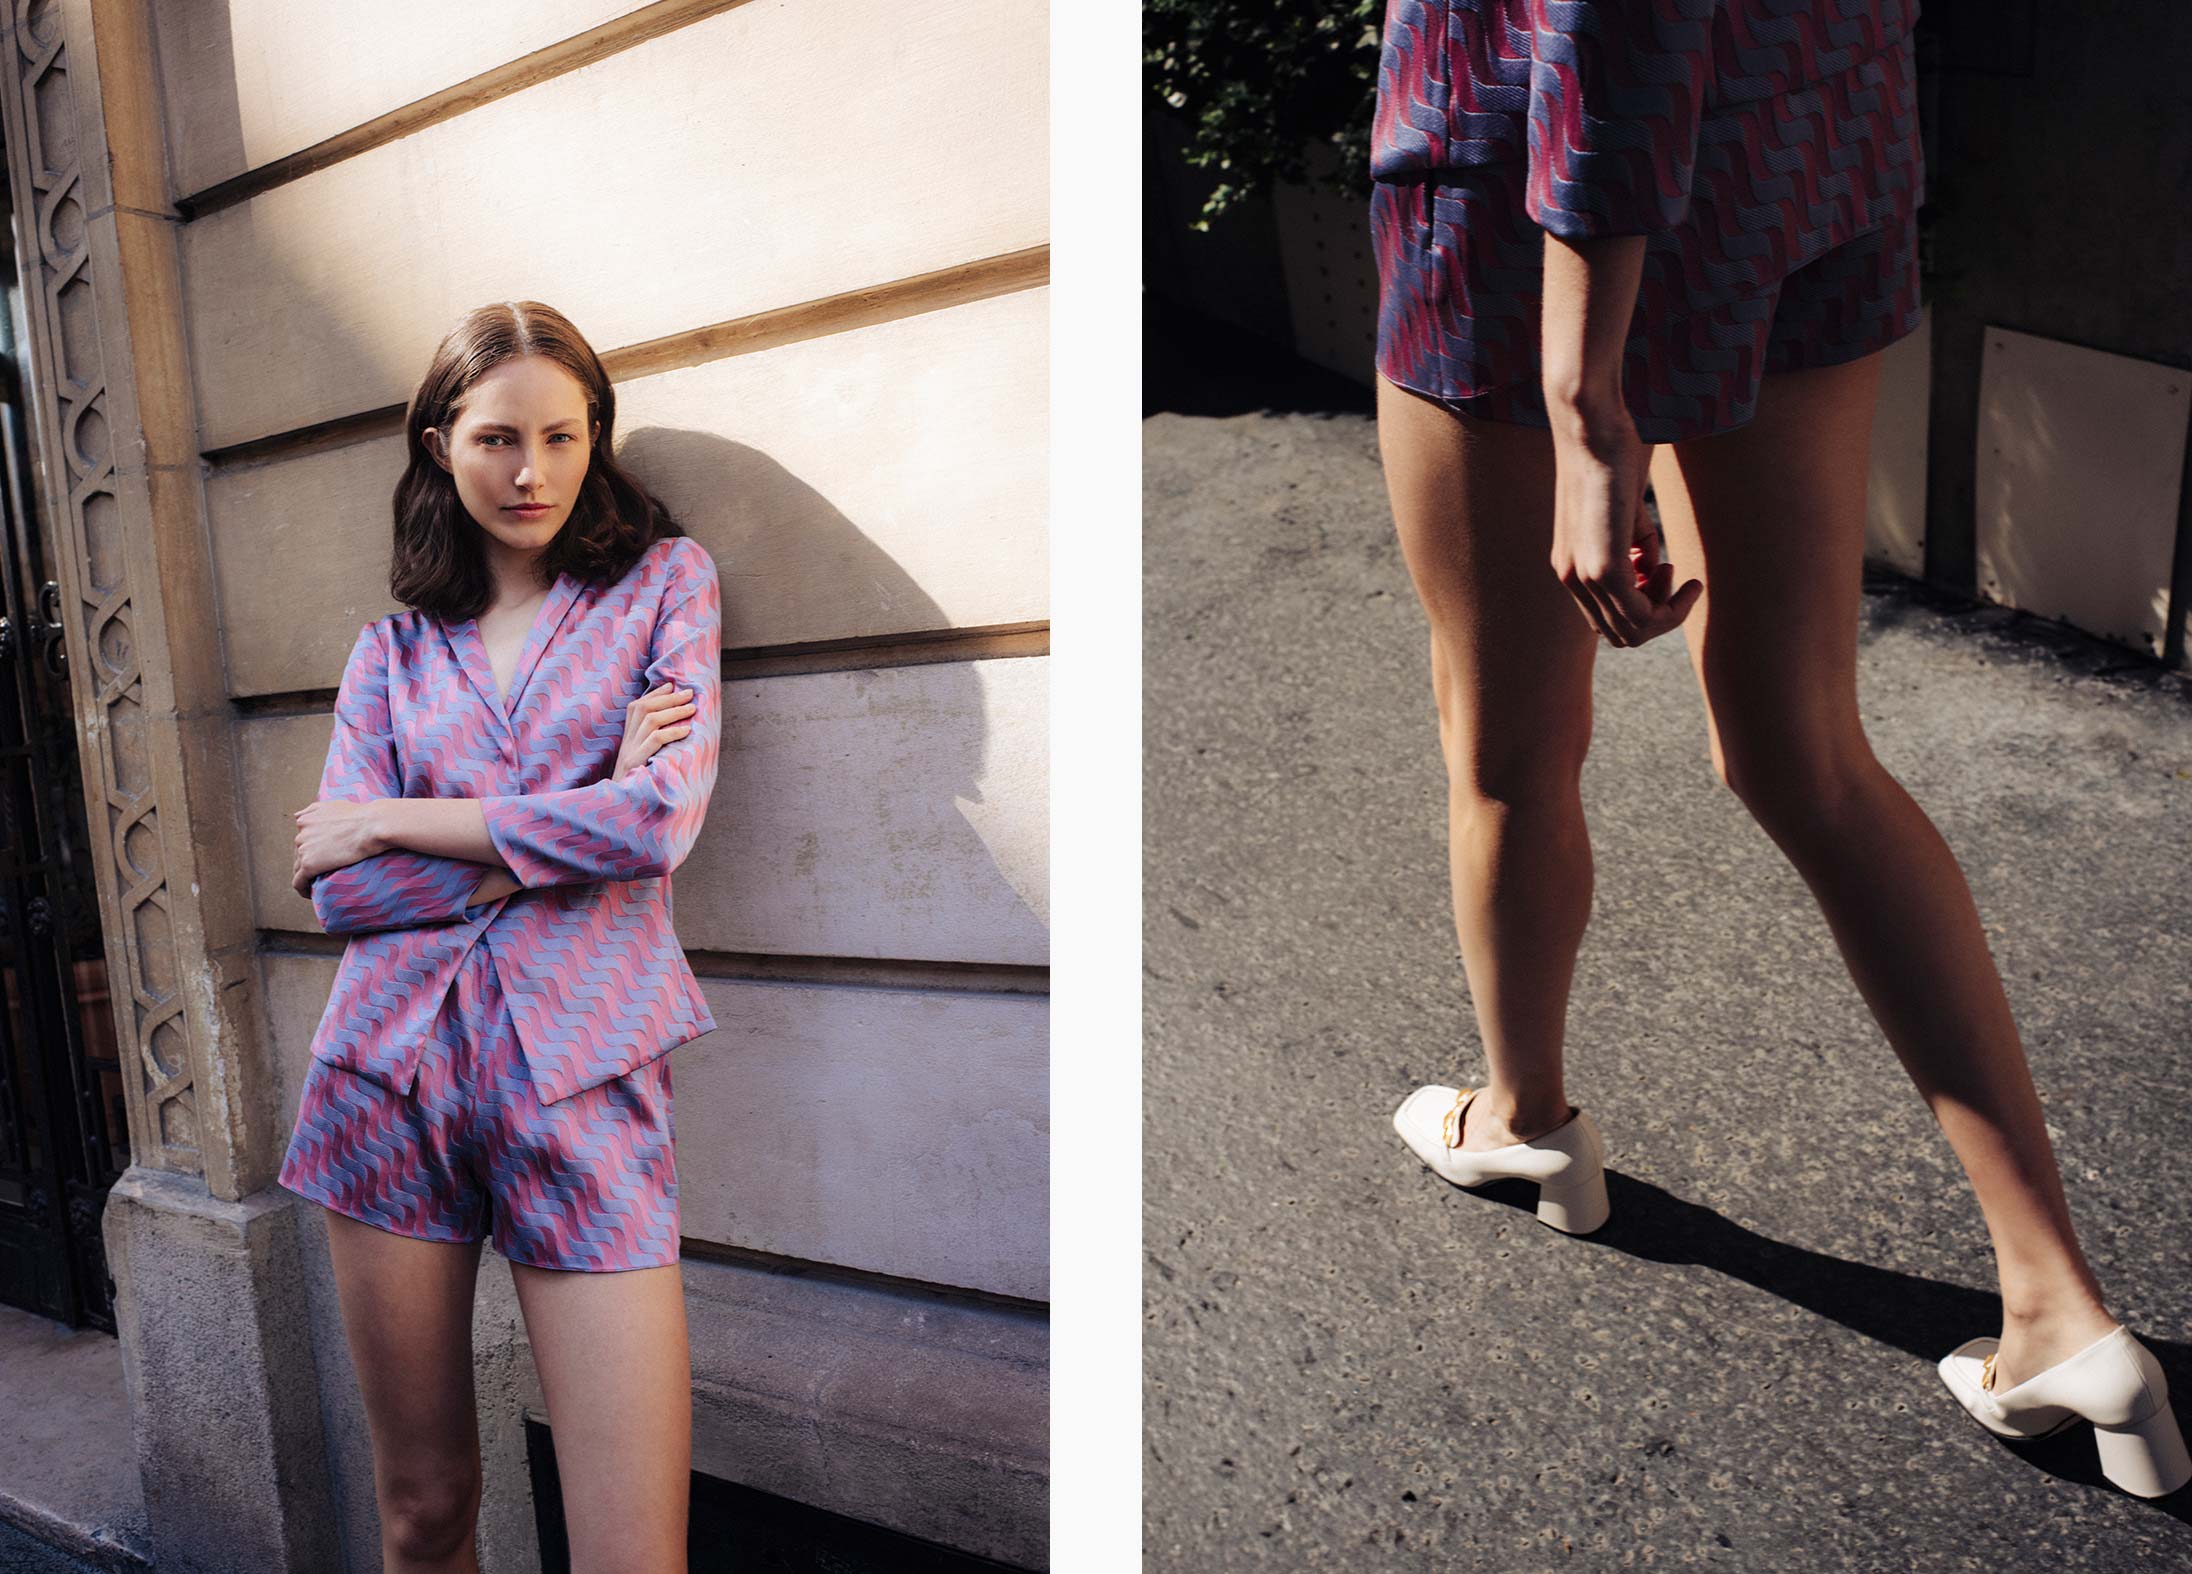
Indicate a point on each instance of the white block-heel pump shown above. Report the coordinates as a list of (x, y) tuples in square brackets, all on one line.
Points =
[(2114, 1382), (1568, 1163)]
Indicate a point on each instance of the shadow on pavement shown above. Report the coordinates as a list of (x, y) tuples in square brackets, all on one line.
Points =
[(1193, 364), (1917, 1316)]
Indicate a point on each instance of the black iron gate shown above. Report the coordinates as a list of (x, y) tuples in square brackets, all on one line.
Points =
[(64, 1125)]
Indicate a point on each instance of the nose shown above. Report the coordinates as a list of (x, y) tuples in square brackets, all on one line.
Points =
[(529, 473)]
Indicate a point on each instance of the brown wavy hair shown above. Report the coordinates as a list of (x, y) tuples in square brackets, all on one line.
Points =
[(439, 564)]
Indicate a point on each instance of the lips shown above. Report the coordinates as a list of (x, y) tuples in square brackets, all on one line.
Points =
[(528, 508)]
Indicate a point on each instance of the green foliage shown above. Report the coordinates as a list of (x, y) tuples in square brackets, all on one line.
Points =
[(1259, 81)]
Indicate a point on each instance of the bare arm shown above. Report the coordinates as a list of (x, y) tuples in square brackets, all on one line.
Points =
[(1616, 102), (495, 883), (447, 827), (1590, 296), (457, 827), (1606, 549), (636, 823)]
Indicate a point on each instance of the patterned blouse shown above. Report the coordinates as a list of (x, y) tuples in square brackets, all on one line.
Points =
[(595, 977), (1749, 136)]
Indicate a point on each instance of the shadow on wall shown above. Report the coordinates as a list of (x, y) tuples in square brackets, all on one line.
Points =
[(794, 566)]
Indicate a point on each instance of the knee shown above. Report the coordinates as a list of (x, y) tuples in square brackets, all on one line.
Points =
[(1797, 784), (426, 1517), (1532, 773), (1523, 759)]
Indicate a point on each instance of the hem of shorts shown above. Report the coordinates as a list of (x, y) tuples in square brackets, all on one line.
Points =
[(565, 1267), (1872, 348), (335, 1207), (1464, 401), (1460, 399)]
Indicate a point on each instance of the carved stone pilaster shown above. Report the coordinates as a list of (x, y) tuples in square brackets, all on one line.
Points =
[(210, 1307), (121, 506)]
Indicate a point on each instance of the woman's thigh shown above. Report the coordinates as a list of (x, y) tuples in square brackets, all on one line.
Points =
[(407, 1315), (1511, 652), (1771, 516), (615, 1365)]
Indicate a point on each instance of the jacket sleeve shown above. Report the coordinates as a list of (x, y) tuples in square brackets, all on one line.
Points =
[(1617, 89), (398, 889), (643, 824)]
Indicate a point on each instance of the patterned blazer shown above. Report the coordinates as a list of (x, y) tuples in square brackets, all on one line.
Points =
[(596, 980), (1747, 136)]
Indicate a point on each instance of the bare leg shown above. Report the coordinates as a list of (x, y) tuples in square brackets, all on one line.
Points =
[(407, 1313), (616, 1370), (1772, 518), (1511, 677)]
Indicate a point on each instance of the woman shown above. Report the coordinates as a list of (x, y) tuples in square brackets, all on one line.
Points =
[(518, 762), (1670, 240)]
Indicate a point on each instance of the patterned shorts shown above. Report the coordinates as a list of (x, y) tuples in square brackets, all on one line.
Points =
[(586, 1183), (1460, 294)]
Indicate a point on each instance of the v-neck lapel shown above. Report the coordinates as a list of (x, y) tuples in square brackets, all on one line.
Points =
[(545, 622), (471, 650)]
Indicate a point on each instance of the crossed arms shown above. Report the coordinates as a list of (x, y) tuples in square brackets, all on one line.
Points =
[(428, 860)]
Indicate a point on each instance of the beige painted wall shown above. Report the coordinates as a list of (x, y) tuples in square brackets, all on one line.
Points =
[(251, 81), (885, 480), (749, 161)]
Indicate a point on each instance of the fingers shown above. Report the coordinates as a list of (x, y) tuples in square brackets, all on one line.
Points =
[(1638, 615), (1608, 630), (1627, 609), (659, 707), (1578, 587), (1644, 545), (1630, 603), (666, 714), (1629, 612)]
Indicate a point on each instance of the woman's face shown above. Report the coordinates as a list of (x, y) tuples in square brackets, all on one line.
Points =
[(518, 450)]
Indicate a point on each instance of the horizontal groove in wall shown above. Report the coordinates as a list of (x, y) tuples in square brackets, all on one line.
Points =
[(565, 55), (993, 642), (850, 972), (802, 1268), (957, 285), (990, 978), (295, 443)]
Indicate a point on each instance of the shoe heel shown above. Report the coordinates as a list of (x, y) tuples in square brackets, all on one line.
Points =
[(1574, 1207), (2146, 1458)]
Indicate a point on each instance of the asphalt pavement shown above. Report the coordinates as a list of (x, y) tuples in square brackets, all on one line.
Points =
[(1351, 1364)]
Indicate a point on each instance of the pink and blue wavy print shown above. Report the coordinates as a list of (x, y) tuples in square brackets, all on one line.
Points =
[(1746, 138), (594, 976)]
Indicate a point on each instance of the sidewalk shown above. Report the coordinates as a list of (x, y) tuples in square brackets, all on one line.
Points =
[(1352, 1365), (70, 1497)]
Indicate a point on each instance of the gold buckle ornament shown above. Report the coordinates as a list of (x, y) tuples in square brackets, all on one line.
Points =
[(1450, 1124)]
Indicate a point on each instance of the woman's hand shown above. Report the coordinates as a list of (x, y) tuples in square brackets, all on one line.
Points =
[(1606, 550), (330, 835), (495, 883), (661, 715)]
